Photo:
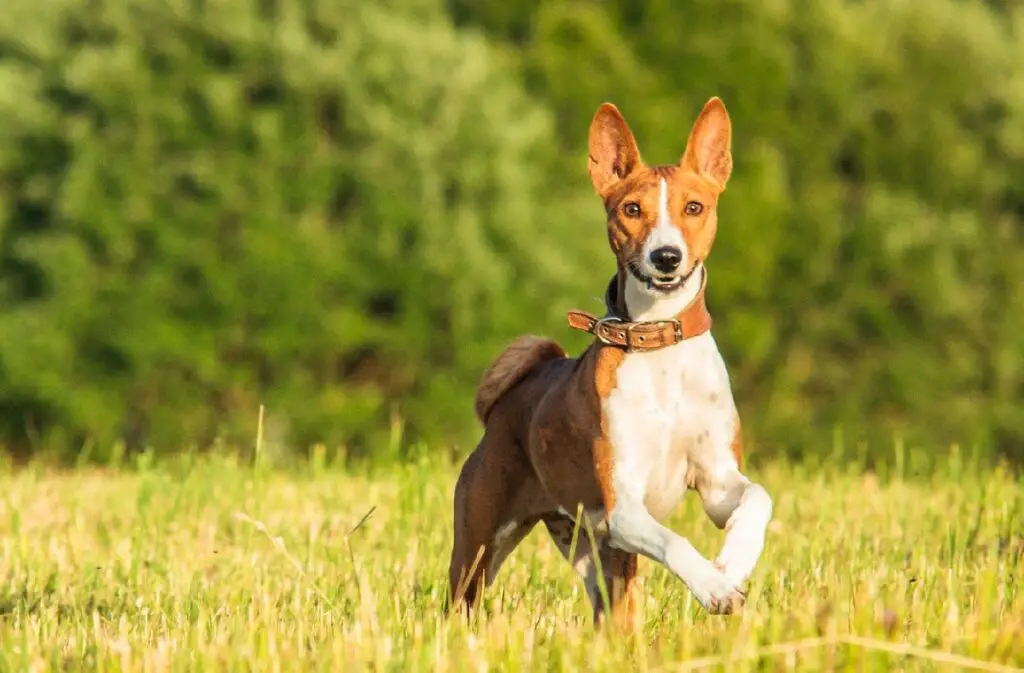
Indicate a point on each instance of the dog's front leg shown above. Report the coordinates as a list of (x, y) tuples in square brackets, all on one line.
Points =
[(633, 529), (743, 509)]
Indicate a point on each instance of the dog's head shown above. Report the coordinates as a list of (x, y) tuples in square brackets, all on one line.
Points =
[(662, 220)]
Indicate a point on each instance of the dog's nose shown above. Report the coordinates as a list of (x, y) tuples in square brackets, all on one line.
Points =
[(666, 259)]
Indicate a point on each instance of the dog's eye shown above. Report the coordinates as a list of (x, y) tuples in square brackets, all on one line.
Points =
[(631, 209), (694, 208)]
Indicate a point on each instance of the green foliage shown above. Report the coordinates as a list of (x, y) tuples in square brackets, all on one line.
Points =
[(326, 207), (343, 210)]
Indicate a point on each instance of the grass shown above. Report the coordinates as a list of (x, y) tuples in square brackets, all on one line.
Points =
[(210, 566)]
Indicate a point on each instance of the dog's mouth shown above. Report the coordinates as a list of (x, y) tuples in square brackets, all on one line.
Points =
[(661, 284)]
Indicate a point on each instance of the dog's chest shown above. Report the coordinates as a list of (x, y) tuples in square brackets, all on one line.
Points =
[(670, 418)]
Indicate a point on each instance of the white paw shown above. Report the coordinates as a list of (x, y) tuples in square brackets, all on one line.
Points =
[(719, 594)]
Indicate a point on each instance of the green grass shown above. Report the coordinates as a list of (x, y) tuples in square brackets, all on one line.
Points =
[(211, 567)]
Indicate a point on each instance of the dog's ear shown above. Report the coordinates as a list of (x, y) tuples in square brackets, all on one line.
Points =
[(613, 151), (709, 149)]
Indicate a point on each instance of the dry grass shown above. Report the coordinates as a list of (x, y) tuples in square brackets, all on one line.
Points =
[(212, 567)]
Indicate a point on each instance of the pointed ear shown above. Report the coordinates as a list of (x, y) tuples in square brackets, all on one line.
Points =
[(613, 151), (709, 149)]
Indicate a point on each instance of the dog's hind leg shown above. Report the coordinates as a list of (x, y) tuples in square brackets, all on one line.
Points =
[(493, 512), (618, 570)]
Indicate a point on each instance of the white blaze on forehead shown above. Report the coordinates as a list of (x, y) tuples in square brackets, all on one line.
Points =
[(664, 217), (665, 232)]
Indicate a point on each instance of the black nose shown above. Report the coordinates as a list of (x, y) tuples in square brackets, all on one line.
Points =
[(666, 259)]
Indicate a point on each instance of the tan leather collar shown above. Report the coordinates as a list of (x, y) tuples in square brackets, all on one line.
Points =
[(614, 330)]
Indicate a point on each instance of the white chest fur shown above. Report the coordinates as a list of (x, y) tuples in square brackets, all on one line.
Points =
[(672, 420)]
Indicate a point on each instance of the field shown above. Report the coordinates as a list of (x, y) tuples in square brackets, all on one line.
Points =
[(210, 565)]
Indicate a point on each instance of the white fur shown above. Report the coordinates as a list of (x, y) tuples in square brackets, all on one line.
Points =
[(504, 533), (672, 421), (645, 304), (664, 233), (505, 540), (596, 518)]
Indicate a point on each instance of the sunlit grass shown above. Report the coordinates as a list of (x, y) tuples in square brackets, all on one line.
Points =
[(213, 567)]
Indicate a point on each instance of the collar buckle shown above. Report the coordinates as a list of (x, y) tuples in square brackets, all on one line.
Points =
[(627, 338), (601, 322), (677, 328)]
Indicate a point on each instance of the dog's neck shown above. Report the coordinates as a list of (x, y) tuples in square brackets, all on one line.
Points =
[(633, 301)]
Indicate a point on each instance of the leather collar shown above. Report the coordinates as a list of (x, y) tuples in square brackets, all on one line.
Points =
[(616, 330)]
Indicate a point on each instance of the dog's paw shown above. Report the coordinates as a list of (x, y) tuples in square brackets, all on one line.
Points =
[(717, 593)]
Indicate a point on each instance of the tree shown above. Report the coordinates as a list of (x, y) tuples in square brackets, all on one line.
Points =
[(332, 208)]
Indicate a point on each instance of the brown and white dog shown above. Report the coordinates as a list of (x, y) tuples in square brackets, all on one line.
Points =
[(643, 415)]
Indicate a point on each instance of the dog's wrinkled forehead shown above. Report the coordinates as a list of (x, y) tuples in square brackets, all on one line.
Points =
[(658, 182)]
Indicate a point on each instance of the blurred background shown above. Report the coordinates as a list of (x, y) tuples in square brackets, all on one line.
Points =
[(344, 209)]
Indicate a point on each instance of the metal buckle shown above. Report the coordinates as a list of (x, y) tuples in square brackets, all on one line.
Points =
[(678, 325), (603, 321), (597, 328)]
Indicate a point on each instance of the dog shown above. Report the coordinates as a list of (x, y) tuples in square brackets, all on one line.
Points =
[(643, 415)]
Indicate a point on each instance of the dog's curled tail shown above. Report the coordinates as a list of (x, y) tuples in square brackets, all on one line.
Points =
[(511, 367)]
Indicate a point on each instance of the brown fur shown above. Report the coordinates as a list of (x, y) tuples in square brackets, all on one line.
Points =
[(545, 444), (510, 367), (543, 448)]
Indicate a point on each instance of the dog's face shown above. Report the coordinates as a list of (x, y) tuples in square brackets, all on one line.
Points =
[(662, 219)]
